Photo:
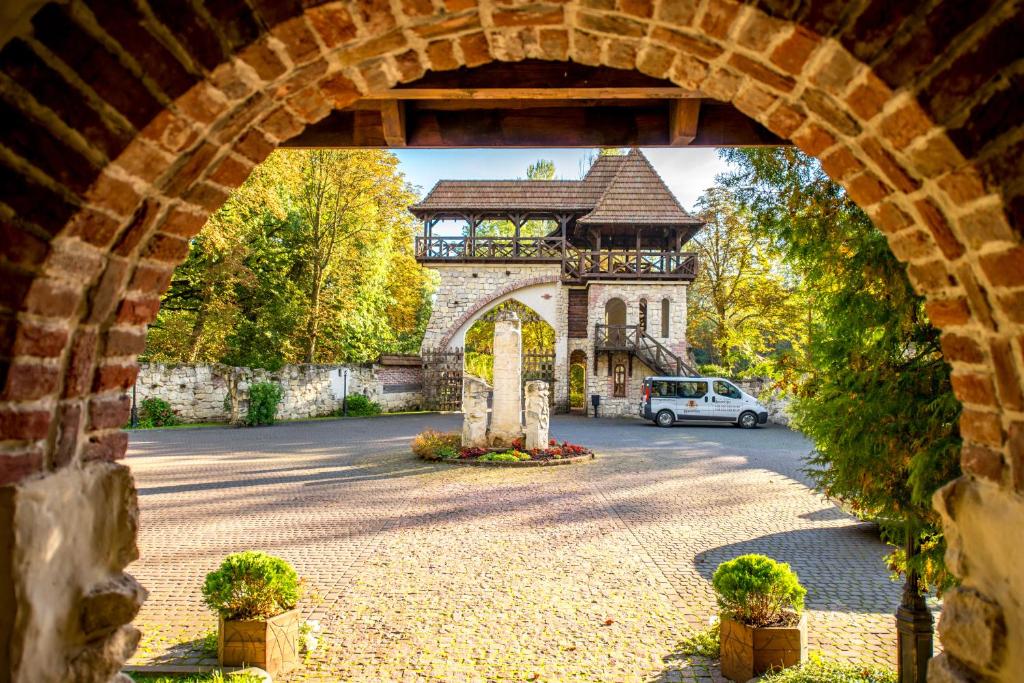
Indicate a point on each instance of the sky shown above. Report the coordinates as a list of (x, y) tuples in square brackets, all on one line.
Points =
[(687, 172)]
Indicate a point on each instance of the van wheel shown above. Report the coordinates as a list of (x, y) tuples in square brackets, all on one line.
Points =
[(748, 420), (665, 418)]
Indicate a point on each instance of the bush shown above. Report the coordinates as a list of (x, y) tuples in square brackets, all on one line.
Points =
[(251, 585), (507, 456), (817, 670), (263, 400), (429, 443), (446, 453), (156, 412), (360, 406), (758, 591)]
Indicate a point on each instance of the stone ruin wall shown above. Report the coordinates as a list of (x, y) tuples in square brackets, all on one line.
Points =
[(197, 393)]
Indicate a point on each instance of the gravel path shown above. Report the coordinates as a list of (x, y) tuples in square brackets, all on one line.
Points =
[(420, 571)]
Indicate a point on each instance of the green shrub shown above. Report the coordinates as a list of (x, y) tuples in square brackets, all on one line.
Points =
[(263, 400), (251, 585), (758, 591), (817, 670), (429, 443), (360, 406), (446, 452), (156, 412)]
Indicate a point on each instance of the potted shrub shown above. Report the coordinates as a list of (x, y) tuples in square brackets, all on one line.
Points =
[(255, 594), (761, 611)]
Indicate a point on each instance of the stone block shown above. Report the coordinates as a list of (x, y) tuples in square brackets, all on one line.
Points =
[(475, 393), (537, 414)]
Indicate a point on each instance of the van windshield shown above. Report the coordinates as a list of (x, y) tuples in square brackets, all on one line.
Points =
[(692, 389)]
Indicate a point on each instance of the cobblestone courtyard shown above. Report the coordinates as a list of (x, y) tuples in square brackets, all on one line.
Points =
[(422, 571)]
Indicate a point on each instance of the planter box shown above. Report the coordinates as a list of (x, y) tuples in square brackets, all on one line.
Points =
[(748, 651), (272, 645)]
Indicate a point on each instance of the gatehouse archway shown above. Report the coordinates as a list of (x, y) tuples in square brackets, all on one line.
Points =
[(128, 126)]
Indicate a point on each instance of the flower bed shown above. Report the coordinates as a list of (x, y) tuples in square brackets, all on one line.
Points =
[(431, 445)]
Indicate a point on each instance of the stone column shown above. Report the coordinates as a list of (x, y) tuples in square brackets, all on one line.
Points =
[(507, 409)]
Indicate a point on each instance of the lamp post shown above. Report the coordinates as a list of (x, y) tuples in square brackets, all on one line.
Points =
[(135, 409), (914, 625)]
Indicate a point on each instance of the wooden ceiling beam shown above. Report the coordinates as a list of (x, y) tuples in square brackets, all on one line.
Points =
[(571, 125), (392, 114), (683, 116), (605, 93)]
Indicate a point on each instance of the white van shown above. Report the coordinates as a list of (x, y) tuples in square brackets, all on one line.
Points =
[(667, 400)]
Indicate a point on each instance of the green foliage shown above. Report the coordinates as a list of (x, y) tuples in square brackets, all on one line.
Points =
[(757, 590), (712, 370), (870, 387), (156, 412), (211, 677), (704, 643), (745, 303), (263, 400), (360, 406), (251, 585), (577, 386), (507, 456), (818, 670), (429, 443), (310, 260), (446, 452)]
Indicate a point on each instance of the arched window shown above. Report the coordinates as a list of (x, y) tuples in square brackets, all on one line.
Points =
[(619, 390), (665, 313), (643, 315)]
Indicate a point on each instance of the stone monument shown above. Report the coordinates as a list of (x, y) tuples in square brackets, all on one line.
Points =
[(507, 410), (537, 414), (475, 392)]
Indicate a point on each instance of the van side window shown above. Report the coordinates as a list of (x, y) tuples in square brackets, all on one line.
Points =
[(692, 389), (663, 389), (726, 389)]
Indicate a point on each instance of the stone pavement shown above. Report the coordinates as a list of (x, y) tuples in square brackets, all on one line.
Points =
[(430, 572)]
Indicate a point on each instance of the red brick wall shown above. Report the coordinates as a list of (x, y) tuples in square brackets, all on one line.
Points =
[(125, 127)]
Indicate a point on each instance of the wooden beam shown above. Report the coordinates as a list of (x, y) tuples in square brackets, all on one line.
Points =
[(448, 94), (682, 121), (572, 125), (392, 115)]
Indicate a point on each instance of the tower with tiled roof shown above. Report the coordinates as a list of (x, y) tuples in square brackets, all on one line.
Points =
[(610, 275)]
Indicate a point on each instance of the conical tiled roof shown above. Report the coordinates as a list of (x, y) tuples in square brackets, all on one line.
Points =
[(636, 194)]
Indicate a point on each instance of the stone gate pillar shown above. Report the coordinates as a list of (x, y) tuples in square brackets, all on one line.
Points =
[(507, 408)]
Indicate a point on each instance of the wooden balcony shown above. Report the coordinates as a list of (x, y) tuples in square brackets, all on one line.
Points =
[(578, 265), (482, 249)]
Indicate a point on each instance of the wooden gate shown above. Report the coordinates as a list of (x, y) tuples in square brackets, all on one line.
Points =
[(442, 379), (540, 365)]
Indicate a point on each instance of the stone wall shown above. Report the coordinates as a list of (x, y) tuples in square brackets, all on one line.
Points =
[(199, 393), (774, 400)]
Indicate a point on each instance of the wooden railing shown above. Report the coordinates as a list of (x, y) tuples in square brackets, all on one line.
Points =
[(435, 248), (578, 265), (632, 339), (629, 264)]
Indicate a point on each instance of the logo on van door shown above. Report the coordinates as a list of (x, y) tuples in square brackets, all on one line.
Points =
[(691, 404)]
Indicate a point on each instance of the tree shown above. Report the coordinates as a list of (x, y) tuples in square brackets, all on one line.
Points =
[(744, 303), (311, 259), (542, 169), (875, 395)]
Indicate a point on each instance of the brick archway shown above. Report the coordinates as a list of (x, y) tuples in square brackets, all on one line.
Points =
[(127, 126)]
